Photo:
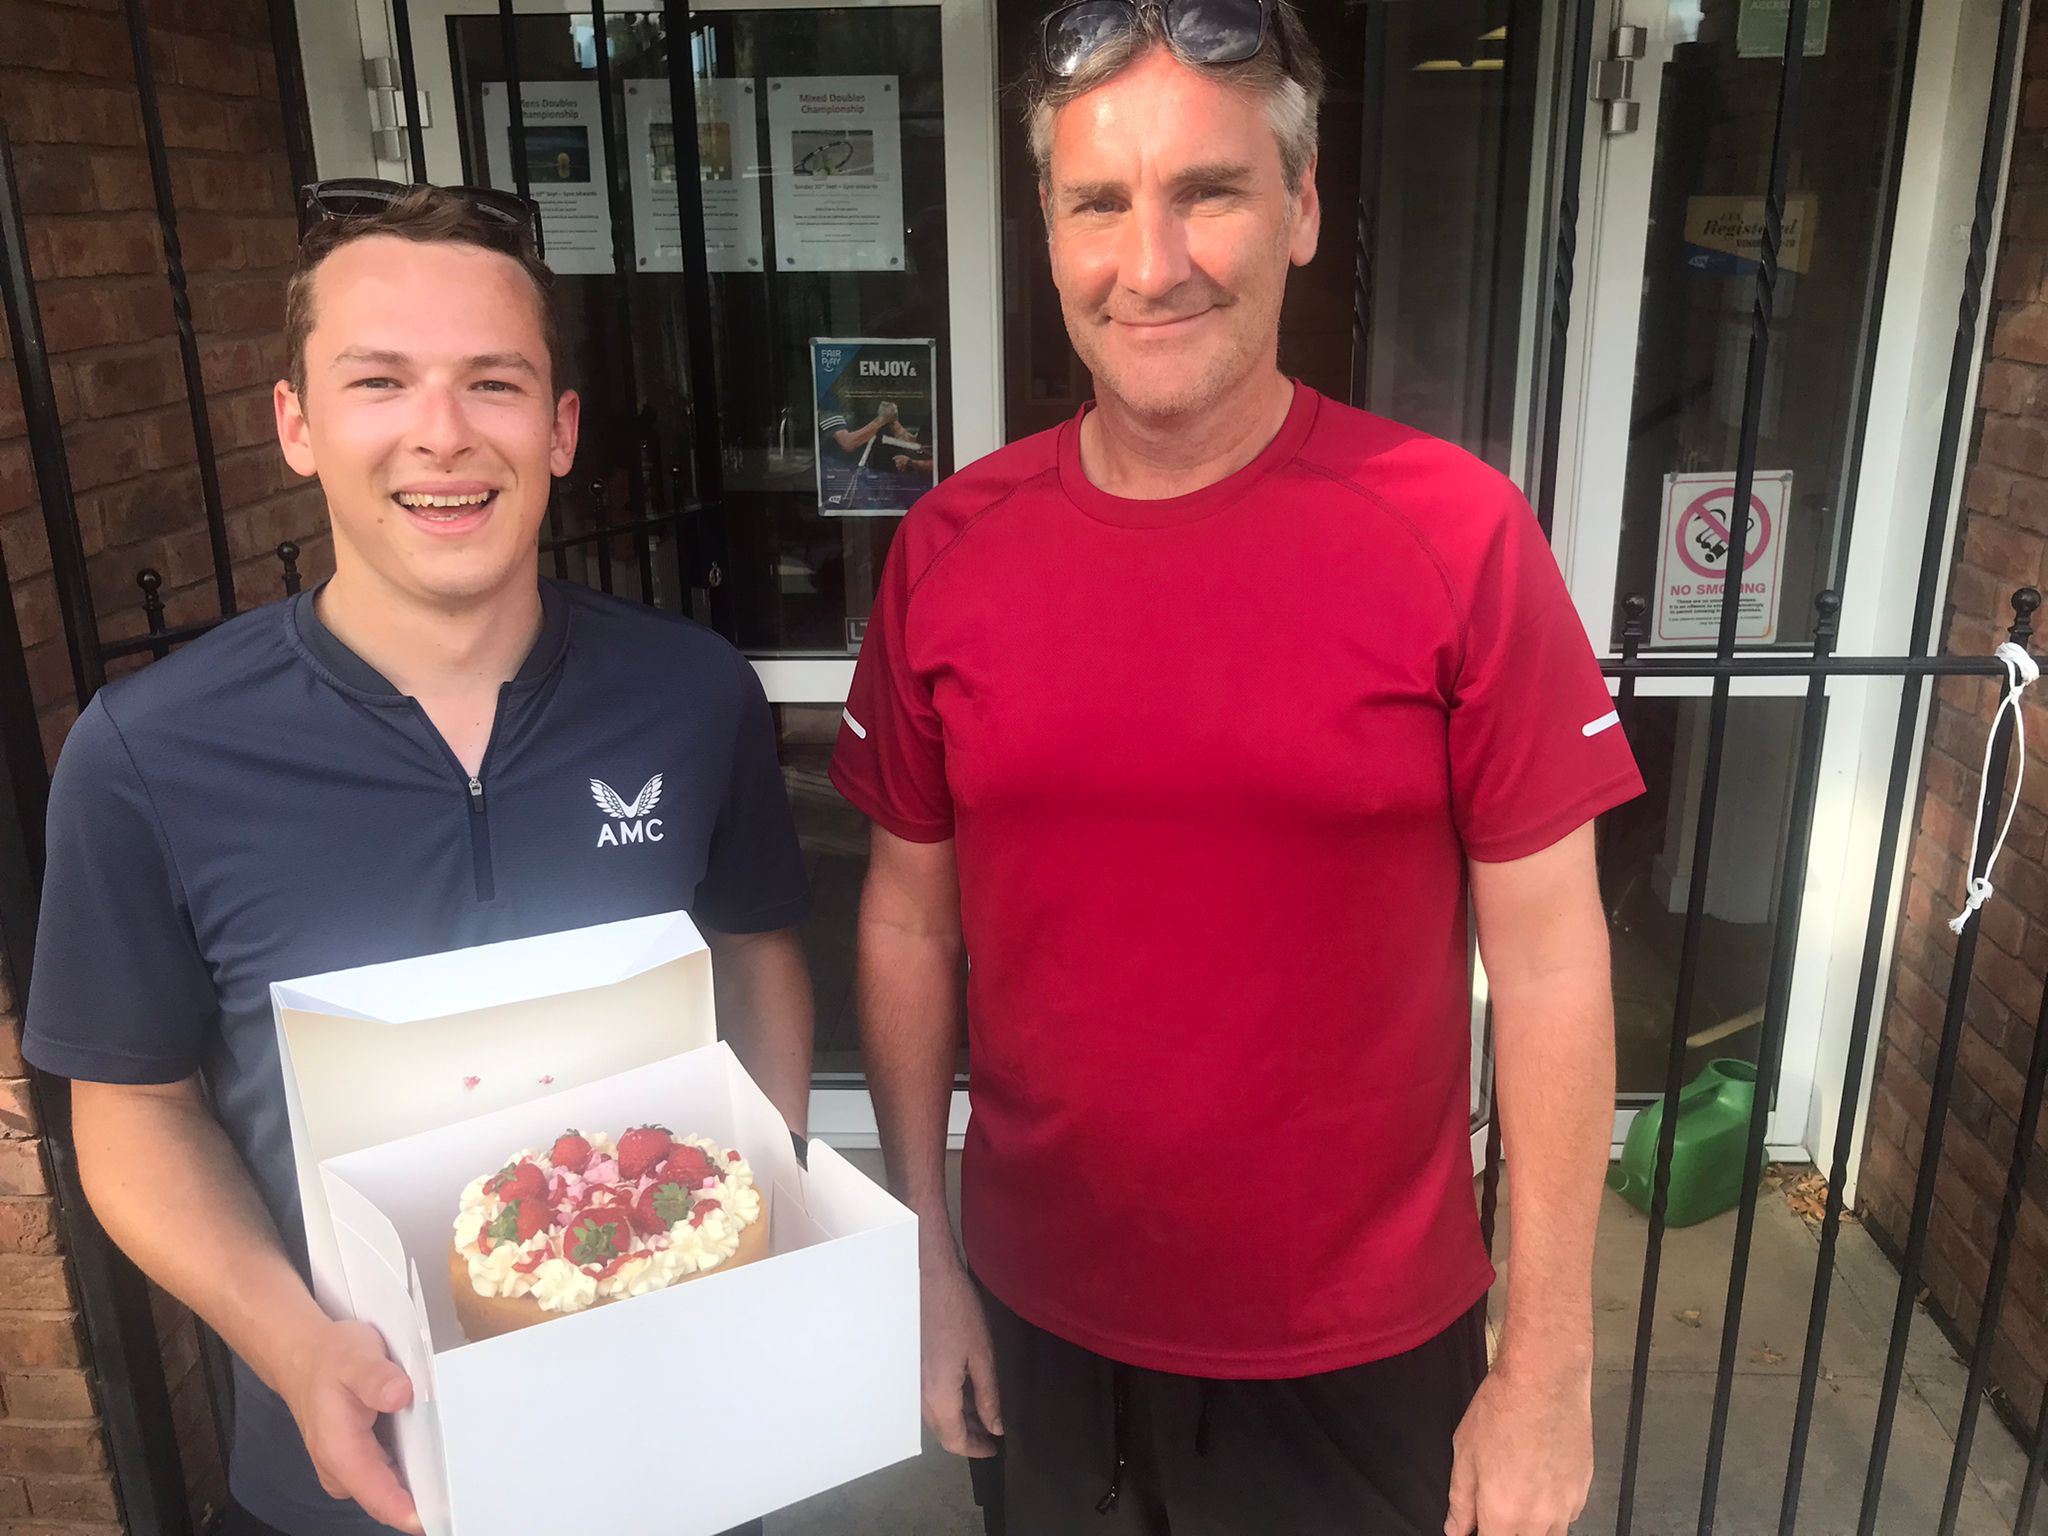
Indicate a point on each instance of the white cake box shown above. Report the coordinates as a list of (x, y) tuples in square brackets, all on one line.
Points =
[(685, 1411)]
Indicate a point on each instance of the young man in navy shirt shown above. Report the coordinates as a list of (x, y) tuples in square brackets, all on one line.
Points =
[(406, 761)]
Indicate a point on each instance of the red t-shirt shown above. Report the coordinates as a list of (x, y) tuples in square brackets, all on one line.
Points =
[(1214, 765)]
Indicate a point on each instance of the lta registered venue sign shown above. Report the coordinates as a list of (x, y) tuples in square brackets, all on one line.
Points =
[(1692, 557)]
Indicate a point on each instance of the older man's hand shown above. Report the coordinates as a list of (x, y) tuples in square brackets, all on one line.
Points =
[(1523, 1457)]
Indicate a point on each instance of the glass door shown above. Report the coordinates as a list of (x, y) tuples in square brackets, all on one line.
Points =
[(1670, 239)]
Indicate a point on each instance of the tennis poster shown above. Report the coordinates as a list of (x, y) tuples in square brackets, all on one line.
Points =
[(837, 154), (877, 424), (728, 171), (565, 169)]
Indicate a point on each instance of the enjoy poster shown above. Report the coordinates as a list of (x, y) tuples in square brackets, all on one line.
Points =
[(877, 424)]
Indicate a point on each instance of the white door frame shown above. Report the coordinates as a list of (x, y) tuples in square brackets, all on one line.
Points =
[(1894, 482)]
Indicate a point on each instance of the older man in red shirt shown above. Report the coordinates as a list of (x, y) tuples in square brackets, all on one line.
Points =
[(1197, 723)]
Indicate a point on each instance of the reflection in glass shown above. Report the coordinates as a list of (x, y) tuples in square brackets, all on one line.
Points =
[(1456, 131), (835, 843), (1646, 867)]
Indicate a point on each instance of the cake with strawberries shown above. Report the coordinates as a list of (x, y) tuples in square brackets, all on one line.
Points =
[(590, 1221)]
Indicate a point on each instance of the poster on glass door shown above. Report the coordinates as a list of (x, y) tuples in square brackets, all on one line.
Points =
[(1692, 558), (877, 424), (1725, 235), (565, 167), (728, 176), (837, 150)]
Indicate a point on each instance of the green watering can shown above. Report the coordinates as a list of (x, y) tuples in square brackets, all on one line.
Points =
[(1706, 1162)]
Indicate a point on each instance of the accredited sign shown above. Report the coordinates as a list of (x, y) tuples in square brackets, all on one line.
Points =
[(1761, 27), (1692, 557)]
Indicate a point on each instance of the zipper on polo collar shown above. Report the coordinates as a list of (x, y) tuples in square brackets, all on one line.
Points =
[(480, 841), (473, 791)]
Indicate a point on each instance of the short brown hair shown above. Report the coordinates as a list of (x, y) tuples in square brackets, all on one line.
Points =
[(1287, 71), (430, 216)]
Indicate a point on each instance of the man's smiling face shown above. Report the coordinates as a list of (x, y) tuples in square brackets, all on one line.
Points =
[(1171, 232), (430, 417)]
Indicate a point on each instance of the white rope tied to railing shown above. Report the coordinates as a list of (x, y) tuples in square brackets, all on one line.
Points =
[(2021, 672)]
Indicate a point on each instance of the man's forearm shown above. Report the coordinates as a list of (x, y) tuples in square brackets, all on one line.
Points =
[(1554, 1046), (908, 994), (860, 437), (165, 1183), (765, 1012)]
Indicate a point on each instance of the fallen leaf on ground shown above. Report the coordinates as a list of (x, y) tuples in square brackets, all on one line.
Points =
[(1806, 1196), (1690, 1317), (1766, 1355)]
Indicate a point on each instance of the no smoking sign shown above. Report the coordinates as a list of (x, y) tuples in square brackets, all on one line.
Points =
[(1692, 557)]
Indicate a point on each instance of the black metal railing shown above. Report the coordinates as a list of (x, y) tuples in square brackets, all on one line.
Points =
[(665, 501), (1563, 266), (1819, 670), (1724, 668)]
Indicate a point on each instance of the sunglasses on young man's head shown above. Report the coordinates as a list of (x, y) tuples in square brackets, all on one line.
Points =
[(364, 197), (1199, 31)]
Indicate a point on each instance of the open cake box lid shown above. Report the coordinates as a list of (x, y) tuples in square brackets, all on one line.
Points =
[(381, 1052)]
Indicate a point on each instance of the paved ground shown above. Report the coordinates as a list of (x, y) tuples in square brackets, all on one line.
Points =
[(928, 1496), (1772, 1338)]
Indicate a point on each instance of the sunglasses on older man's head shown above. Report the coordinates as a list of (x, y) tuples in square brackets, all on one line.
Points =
[(1199, 31), (364, 197)]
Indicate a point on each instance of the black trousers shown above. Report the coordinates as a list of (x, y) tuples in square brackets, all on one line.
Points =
[(1092, 1447), (239, 1522)]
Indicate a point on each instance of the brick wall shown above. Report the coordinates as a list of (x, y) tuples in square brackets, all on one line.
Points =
[(2002, 543), (52, 1461), (67, 99)]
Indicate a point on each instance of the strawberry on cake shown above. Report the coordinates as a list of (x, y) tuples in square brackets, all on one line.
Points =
[(590, 1221)]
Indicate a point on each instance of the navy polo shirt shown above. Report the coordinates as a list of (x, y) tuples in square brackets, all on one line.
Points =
[(263, 804)]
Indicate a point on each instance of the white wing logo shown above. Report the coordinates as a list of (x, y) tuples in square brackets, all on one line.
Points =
[(609, 802)]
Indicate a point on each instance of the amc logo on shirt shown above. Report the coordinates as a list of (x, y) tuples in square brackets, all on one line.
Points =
[(631, 823)]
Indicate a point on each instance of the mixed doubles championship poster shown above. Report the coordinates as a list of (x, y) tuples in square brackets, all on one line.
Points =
[(877, 424)]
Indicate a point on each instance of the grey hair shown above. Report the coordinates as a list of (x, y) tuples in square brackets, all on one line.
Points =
[(1288, 75)]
